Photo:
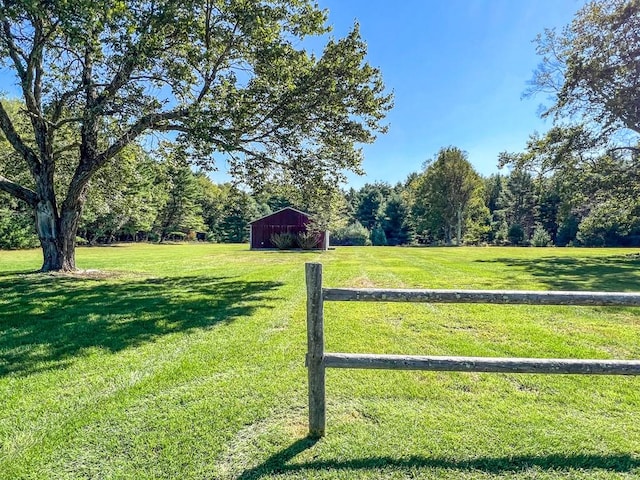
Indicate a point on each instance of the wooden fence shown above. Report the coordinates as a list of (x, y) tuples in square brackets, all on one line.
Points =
[(318, 360)]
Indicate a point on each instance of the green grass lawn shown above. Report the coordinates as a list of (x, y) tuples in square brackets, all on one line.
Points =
[(187, 362)]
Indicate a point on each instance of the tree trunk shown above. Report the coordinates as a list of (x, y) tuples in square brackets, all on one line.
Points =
[(47, 226), (57, 236), (459, 227)]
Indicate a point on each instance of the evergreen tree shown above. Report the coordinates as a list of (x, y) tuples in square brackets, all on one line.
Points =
[(396, 221), (519, 202), (371, 199), (378, 237), (181, 212), (240, 209)]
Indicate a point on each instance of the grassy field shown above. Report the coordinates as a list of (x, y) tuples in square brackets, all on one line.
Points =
[(187, 361)]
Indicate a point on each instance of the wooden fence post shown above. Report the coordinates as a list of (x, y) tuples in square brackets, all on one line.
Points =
[(315, 350)]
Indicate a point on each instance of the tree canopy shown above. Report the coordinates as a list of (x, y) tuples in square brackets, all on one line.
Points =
[(592, 67), (446, 196)]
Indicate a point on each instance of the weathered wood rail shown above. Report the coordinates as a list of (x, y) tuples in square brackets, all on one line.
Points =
[(318, 360)]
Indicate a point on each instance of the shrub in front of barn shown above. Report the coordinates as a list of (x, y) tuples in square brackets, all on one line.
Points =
[(308, 240), (284, 240)]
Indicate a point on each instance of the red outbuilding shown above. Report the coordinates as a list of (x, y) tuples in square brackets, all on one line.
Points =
[(285, 220)]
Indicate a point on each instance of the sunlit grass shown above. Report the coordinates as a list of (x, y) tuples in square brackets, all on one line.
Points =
[(187, 361)]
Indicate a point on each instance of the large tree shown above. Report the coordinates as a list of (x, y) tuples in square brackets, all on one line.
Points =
[(592, 67), (228, 76), (591, 70), (446, 194)]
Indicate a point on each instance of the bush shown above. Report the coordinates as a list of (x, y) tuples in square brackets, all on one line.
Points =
[(378, 237), (283, 241), (351, 235), (501, 233), (516, 234), (540, 237), (308, 240), (606, 225), (567, 231)]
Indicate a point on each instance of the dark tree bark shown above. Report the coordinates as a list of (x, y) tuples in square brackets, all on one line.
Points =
[(57, 231)]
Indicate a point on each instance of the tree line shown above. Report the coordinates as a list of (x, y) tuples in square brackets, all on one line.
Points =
[(590, 198)]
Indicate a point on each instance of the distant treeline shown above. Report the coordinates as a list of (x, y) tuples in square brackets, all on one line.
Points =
[(589, 203)]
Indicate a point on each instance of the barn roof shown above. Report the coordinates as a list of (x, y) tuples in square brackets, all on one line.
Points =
[(278, 211)]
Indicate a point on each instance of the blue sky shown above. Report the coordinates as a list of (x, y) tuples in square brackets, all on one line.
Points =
[(458, 69)]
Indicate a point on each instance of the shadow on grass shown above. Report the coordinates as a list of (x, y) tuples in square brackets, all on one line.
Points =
[(279, 463), (46, 321), (614, 273), (13, 273)]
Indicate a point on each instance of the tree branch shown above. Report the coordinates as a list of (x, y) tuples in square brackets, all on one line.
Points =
[(86, 168), (58, 105), (208, 79), (24, 70), (127, 66), (33, 83), (630, 149), (18, 191), (34, 65), (121, 77), (6, 125), (14, 51), (172, 127), (66, 148), (151, 121)]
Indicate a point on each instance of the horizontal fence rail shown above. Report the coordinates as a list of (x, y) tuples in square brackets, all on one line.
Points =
[(482, 364), (318, 360), (503, 297)]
